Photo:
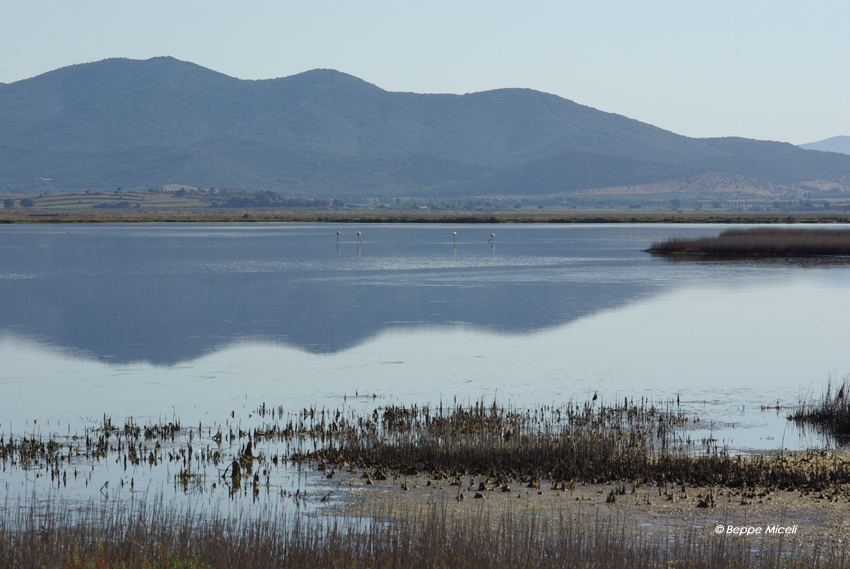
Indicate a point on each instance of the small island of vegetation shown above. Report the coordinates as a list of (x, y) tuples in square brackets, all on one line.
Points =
[(831, 414), (760, 242)]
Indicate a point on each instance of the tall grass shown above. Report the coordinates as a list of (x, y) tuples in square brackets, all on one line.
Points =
[(832, 413), (638, 443), (761, 241), (591, 442), (628, 442), (141, 537)]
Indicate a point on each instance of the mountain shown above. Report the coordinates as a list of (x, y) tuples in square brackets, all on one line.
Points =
[(140, 124), (840, 144)]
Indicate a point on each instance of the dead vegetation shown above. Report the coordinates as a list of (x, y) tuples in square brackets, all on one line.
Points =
[(760, 242), (147, 537), (830, 414), (473, 450)]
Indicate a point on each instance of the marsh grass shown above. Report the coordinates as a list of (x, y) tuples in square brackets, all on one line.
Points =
[(831, 414), (629, 442), (760, 241), (623, 443), (144, 537)]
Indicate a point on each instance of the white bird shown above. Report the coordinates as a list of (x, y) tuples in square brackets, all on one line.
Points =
[(491, 238), (337, 236), (454, 236), (358, 238)]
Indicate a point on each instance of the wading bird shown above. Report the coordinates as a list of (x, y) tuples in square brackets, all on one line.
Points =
[(337, 236), (358, 238), (492, 235), (454, 236)]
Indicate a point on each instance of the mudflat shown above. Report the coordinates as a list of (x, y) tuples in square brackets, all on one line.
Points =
[(657, 512)]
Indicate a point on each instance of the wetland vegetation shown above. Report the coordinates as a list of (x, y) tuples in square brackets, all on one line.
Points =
[(110, 536), (831, 413), (639, 443), (760, 242), (472, 450)]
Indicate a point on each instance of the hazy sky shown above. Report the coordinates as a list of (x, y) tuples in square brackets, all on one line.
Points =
[(771, 70)]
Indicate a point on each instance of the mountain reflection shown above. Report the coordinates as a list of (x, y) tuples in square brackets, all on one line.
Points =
[(166, 294)]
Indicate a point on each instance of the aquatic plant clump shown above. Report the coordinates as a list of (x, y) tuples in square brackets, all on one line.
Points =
[(832, 413), (591, 443), (760, 242), (637, 443)]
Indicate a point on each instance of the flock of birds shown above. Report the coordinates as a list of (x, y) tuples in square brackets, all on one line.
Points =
[(454, 237)]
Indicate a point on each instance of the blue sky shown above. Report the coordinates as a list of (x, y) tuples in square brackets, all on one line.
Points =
[(772, 70)]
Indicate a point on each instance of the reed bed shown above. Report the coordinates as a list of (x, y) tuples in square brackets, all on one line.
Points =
[(149, 537), (638, 443), (831, 414), (760, 242), (624, 443), (632, 442)]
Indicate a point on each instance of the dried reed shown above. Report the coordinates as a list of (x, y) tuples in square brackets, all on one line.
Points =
[(145, 537), (832, 413), (760, 241)]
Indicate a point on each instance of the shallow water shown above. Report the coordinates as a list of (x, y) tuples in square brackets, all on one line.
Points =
[(195, 322)]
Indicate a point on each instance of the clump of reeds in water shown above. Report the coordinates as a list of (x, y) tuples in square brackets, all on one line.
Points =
[(144, 536), (760, 242), (586, 442), (832, 413), (590, 443), (628, 442)]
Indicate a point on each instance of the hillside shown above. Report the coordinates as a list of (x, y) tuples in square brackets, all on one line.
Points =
[(145, 124)]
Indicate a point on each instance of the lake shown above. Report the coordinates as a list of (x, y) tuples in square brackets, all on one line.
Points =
[(206, 322)]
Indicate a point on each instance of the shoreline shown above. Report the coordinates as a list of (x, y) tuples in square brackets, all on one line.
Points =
[(532, 528), (652, 510), (370, 216)]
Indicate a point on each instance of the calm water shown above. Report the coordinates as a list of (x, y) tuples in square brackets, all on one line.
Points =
[(197, 321)]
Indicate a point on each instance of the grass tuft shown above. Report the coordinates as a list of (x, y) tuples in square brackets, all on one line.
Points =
[(832, 413)]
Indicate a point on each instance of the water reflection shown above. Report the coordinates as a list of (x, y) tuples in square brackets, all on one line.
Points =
[(165, 294), (194, 320)]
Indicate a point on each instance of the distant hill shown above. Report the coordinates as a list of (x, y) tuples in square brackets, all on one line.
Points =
[(839, 144), (143, 124)]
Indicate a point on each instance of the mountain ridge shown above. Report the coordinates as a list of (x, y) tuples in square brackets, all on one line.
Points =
[(839, 144), (134, 123)]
